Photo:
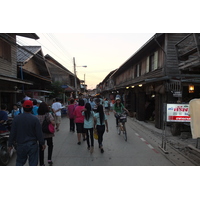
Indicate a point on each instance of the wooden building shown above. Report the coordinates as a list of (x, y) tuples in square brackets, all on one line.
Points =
[(31, 66), (9, 81), (61, 74), (159, 72)]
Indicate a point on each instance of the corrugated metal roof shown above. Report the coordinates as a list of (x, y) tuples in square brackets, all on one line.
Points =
[(25, 53)]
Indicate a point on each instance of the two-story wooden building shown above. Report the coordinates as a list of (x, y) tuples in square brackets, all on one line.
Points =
[(156, 74), (9, 81), (31, 66)]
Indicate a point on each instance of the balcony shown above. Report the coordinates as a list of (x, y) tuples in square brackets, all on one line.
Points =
[(188, 52)]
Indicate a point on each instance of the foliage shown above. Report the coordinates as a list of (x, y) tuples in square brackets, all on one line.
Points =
[(56, 89)]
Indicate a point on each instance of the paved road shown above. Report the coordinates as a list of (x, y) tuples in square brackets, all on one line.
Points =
[(137, 151)]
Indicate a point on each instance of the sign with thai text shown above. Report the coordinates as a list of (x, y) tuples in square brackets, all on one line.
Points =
[(178, 113)]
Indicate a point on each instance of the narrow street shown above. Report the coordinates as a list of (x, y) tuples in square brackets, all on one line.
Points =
[(139, 150)]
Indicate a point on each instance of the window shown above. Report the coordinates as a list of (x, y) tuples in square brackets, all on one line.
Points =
[(152, 62), (138, 69), (5, 50), (147, 65)]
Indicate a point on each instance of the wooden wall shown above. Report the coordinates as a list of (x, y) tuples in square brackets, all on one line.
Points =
[(171, 60)]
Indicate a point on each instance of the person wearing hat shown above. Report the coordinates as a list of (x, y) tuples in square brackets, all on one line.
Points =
[(26, 131), (118, 109)]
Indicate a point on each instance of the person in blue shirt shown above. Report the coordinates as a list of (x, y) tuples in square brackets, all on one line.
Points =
[(15, 111), (106, 106), (101, 124), (92, 103), (89, 125), (3, 118), (35, 107)]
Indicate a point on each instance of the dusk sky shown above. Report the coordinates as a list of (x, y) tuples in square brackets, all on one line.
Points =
[(100, 52), (102, 35)]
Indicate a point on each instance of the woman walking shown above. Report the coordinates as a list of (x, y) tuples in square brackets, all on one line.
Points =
[(89, 125), (71, 109), (79, 120), (43, 111), (101, 124)]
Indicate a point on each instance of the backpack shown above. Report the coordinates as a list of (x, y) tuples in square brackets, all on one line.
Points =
[(47, 127)]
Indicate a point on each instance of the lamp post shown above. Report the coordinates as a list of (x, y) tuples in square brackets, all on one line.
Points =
[(75, 77)]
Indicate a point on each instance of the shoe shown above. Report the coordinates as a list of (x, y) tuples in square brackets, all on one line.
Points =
[(84, 139), (88, 148), (50, 162), (102, 150), (79, 143), (92, 149)]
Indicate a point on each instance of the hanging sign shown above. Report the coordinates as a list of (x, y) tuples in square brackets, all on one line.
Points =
[(178, 113)]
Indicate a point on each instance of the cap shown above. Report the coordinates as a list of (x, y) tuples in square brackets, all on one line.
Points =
[(117, 98), (27, 104)]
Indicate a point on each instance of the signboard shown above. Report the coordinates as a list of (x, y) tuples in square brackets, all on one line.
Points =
[(64, 86), (178, 113)]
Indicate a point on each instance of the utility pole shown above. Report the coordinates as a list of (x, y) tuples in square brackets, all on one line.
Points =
[(75, 78)]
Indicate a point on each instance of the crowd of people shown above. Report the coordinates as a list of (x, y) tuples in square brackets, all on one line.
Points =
[(85, 116)]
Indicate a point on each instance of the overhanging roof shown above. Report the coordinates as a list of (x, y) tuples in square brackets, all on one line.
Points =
[(28, 35), (16, 80)]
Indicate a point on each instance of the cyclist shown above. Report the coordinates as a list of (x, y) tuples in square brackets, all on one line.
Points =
[(118, 109)]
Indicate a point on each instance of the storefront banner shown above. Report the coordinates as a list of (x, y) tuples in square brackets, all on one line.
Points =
[(178, 113)]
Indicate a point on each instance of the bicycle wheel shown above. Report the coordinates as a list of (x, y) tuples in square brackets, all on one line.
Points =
[(118, 129), (124, 132)]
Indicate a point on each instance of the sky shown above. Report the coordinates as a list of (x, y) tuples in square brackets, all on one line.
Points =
[(100, 52), (102, 35)]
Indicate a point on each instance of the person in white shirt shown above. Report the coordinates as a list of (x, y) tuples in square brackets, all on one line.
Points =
[(57, 107)]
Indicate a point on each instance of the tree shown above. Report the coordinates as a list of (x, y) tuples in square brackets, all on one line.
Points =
[(57, 90)]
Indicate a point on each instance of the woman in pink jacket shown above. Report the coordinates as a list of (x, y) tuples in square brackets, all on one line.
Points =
[(79, 120)]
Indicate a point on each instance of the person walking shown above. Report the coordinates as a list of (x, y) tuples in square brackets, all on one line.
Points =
[(26, 131), (106, 106), (100, 120), (79, 120), (92, 103), (71, 109), (15, 111), (57, 107), (3, 118), (89, 125), (35, 107), (43, 111)]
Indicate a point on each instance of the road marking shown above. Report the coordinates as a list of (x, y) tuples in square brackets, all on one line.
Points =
[(149, 145)]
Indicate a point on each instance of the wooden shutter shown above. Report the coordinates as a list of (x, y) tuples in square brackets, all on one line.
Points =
[(147, 65), (155, 60)]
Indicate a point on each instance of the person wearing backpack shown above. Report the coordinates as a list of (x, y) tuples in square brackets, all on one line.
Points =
[(43, 112)]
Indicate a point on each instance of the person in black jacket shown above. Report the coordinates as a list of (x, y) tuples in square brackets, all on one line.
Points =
[(26, 131)]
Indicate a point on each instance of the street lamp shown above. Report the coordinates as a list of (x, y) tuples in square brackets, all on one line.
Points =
[(75, 77)]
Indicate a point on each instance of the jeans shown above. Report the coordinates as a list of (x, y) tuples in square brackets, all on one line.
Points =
[(50, 150), (100, 132), (28, 151), (89, 138), (72, 125)]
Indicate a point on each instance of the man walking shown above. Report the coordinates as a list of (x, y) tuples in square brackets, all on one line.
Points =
[(26, 131), (57, 107)]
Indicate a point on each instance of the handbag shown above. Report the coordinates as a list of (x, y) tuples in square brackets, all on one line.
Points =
[(95, 134), (47, 126)]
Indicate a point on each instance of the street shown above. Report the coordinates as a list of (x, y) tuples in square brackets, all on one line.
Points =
[(137, 151)]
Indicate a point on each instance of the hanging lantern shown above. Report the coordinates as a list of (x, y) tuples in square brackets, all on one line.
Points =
[(191, 88)]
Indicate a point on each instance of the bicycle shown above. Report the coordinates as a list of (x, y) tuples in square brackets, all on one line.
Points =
[(122, 119)]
